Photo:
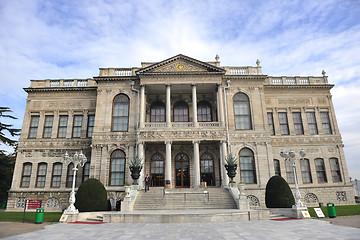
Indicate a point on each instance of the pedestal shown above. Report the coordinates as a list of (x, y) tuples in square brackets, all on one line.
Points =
[(297, 211)]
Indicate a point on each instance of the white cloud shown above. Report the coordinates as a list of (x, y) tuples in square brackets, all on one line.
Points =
[(72, 39)]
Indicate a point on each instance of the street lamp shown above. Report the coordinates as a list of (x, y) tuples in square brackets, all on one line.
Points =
[(77, 159), (290, 156)]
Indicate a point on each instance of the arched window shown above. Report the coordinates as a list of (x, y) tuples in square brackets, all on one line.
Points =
[(305, 171), (320, 170), (242, 112), (247, 166), (26, 174), (157, 112), (181, 112), (117, 168), (335, 170), (204, 111), (207, 169), (86, 171), (157, 170), (120, 116), (56, 175), (277, 167), (41, 175), (70, 175)]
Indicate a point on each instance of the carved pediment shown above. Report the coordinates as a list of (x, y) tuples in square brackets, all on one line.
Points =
[(181, 64)]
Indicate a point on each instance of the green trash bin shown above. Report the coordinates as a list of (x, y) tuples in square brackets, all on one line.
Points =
[(331, 210), (39, 216)]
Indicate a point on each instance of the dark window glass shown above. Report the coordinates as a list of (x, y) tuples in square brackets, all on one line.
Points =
[(335, 170), (157, 112), (326, 122), (91, 124), (298, 125), (277, 167), (41, 175), (48, 126), (312, 123), (305, 171), (117, 168), (63, 120), (207, 169), (157, 170), (77, 126), (289, 172), (247, 166), (86, 171), (271, 123), (120, 113), (25, 180), (204, 111), (34, 124), (284, 127), (56, 176), (70, 175), (181, 112), (242, 112), (320, 170)]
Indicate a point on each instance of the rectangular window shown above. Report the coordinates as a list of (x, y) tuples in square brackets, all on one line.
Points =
[(277, 167), (271, 123), (326, 122), (305, 171), (56, 176), (312, 123), (120, 117), (48, 126), (284, 127), (41, 176), (289, 172), (77, 126), (62, 126), (335, 170), (34, 124), (298, 125), (25, 180), (91, 123), (320, 170)]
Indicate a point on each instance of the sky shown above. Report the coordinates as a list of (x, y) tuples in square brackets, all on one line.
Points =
[(42, 39)]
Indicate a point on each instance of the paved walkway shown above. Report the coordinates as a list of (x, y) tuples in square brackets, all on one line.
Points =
[(265, 229)]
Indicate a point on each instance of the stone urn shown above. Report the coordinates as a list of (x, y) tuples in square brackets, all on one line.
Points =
[(231, 171), (135, 173), (127, 191)]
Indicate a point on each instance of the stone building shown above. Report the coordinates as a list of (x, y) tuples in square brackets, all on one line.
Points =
[(182, 116)]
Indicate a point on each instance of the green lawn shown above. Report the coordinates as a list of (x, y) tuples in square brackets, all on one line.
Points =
[(29, 217), (345, 210)]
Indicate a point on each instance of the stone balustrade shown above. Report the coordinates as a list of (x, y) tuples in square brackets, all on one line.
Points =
[(53, 83), (296, 80)]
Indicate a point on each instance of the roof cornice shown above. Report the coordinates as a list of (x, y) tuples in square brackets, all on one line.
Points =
[(60, 89)]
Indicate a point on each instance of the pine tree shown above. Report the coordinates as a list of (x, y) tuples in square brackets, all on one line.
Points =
[(7, 127)]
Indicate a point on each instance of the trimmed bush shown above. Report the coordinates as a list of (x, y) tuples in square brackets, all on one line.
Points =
[(91, 196), (278, 193)]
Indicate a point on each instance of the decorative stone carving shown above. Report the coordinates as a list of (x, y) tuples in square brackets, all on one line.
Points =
[(52, 203), (311, 198), (341, 196), (253, 201), (20, 202)]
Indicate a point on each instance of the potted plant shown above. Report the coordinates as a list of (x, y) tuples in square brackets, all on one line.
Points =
[(231, 166), (135, 167)]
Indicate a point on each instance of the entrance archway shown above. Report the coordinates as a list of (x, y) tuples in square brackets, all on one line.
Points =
[(182, 171), (207, 172), (157, 170)]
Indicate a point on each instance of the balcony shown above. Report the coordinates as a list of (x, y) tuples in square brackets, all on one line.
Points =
[(296, 80)]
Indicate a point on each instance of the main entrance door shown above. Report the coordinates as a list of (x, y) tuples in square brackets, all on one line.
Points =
[(182, 171)]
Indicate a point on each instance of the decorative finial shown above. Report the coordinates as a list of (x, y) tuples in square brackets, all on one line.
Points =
[(258, 62), (217, 58), (323, 73)]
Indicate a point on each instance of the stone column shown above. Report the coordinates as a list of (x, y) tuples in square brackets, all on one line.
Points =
[(168, 162), (168, 105), (220, 105), (194, 103), (196, 164), (142, 106), (141, 154), (223, 152)]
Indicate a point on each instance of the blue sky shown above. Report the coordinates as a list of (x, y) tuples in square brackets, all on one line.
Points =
[(72, 39)]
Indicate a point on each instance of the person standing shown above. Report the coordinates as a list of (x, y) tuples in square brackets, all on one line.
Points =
[(147, 182)]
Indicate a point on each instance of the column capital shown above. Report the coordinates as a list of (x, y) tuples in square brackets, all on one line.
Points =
[(222, 141), (141, 142), (168, 142), (168, 84), (142, 85), (193, 84), (196, 141)]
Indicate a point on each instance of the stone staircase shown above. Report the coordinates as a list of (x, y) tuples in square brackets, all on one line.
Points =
[(184, 198)]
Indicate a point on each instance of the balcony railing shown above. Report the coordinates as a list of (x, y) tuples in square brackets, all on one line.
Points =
[(180, 124), (296, 80)]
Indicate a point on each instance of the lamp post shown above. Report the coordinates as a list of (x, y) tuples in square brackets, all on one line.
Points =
[(290, 156), (77, 159)]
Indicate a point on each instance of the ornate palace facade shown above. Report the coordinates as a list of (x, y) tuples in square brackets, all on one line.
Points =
[(182, 116)]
